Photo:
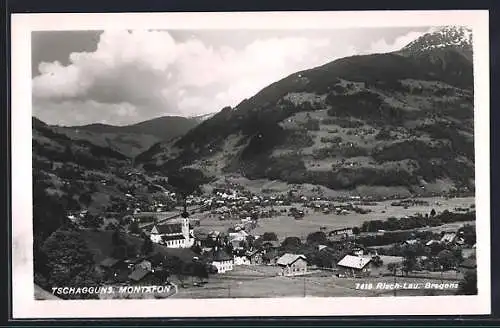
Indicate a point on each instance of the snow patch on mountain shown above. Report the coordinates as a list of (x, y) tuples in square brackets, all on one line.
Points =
[(459, 37)]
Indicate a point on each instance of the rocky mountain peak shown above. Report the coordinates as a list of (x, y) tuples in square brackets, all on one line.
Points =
[(457, 37)]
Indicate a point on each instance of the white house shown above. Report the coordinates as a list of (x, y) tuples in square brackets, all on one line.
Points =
[(355, 265), (239, 236), (173, 234), (221, 260), (241, 260), (292, 264), (448, 237)]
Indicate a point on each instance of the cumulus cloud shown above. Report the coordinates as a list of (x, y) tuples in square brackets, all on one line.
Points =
[(382, 46), (137, 75)]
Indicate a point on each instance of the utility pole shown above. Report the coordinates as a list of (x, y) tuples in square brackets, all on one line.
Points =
[(395, 281), (304, 286), (229, 291)]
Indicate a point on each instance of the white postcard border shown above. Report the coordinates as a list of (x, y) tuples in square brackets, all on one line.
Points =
[(24, 305)]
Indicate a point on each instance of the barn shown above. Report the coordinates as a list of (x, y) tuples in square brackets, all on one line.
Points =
[(354, 266), (292, 264)]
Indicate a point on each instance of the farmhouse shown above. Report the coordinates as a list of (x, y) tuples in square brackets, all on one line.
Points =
[(240, 259), (145, 264), (173, 234), (221, 260), (255, 256), (292, 264), (138, 274), (239, 236), (355, 266), (339, 234)]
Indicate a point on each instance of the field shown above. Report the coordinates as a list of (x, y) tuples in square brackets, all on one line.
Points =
[(261, 186), (285, 226), (262, 282)]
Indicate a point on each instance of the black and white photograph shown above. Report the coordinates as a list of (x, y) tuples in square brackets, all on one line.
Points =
[(332, 160)]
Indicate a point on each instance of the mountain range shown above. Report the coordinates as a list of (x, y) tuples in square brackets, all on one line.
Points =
[(133, 139), (400, 119), (399, 122)]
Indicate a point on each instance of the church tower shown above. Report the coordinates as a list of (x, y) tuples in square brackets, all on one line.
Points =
[(186, 232)]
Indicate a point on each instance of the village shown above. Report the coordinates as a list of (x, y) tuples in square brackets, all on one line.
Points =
[(222, 244)]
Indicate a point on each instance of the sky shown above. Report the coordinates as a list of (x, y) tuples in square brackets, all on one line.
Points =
[(125, 77)]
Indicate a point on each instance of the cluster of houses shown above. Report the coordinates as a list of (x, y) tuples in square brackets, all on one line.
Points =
[(226, 252), (133, 270)]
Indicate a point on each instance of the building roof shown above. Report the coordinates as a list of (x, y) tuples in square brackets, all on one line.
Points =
[(254, 252), (432, 241), (355, 262), (236, 244), (138, 274), (448, 237), (109, 262), (289, 259), (168, 228), (340, 231)]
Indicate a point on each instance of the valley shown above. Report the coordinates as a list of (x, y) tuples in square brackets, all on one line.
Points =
[(370, 157)]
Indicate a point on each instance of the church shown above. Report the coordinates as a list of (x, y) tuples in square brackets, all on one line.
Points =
[(173, 234)]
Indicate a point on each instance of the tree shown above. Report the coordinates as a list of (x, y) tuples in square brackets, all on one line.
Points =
[(69, 261), (110, 226), (393, 267), (468, 233), (196, 249), (147, 245), (433, 213), (131, 250), (446, 259), (291, 243), (269, 236), (85, 198), (119, 252), (117, 238), (377, 261), (410, 259), (200, 271), (468, 285), (48, 213), (356, 231), (94, 222), (250, 241), (133, 228), (318, 237), (185, 183)]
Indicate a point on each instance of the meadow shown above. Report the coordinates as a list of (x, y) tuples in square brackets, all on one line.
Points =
[(262, 282), (286, 226)]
